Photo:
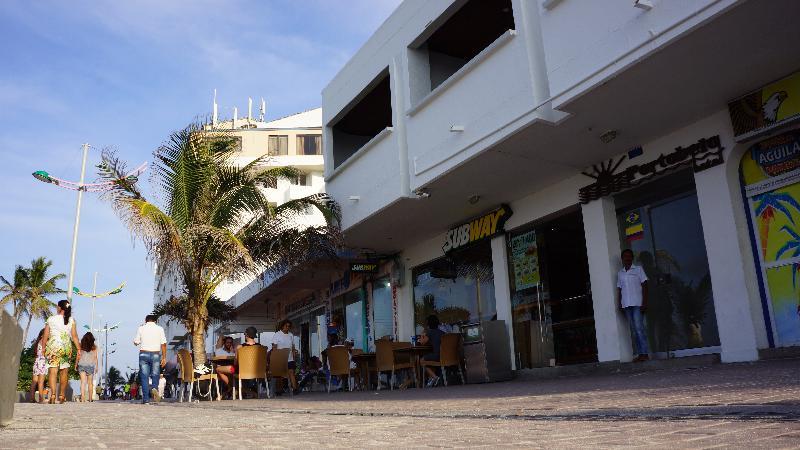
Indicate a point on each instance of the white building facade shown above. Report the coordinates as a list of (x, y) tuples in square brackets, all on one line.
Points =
[(505, 153)]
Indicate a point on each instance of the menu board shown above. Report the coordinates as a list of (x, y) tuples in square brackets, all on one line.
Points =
[(525, 259)]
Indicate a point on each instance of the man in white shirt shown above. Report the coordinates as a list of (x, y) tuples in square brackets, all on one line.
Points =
[(284, 339), (632, 295), (152, 344)]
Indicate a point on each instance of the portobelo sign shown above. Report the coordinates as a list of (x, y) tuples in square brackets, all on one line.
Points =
[(703, 154), (483, 227)]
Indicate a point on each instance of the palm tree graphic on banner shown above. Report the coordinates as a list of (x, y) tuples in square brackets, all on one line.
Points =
[(766, 206), (793, 246)]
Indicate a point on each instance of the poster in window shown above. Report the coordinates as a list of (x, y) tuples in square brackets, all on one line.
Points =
[(525, 259)]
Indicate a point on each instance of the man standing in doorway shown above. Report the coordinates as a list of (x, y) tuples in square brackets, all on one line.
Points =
[(632, 295), (152, 344)]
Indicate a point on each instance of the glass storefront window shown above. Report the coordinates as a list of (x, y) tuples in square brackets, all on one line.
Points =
[(552, 312), (660, 222), (351, 306), (382, 314), (459, 289)]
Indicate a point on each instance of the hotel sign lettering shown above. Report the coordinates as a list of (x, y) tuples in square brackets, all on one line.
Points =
[(705, 153), (483, 227)]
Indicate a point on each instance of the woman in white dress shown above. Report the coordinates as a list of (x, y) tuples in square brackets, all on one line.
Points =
[(60, 333)]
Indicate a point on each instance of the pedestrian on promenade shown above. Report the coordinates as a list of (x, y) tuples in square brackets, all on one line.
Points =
[(88, 366), (632, 297), (284, 339), (152, 344), (60, 332), (39, 369)]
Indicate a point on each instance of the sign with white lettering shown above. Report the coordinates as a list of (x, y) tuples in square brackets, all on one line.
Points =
[(772, 163), (485, 226)]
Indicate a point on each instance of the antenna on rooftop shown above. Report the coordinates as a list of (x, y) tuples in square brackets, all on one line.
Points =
[(249, 108), (262, 111), (235, 116), (214, 114)]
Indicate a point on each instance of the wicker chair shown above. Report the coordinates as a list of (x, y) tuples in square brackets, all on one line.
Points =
[(279, 366), (449, 356), (387, 361), (252, 365), (339, 362), (188, 379)]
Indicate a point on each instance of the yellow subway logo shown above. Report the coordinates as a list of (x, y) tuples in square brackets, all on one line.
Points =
[(475, 230)]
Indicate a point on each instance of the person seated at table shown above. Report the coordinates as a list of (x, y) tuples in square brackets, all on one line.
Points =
[(432, 336), (225, 348), (225, 371), (284, 339), (310, 369)]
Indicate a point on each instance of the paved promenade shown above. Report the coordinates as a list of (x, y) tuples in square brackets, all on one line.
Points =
[(740, 406)]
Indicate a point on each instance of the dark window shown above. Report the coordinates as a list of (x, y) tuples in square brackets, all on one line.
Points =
[(367, 116), (309, 144), (278, 145), (302, 180), (463, 34)]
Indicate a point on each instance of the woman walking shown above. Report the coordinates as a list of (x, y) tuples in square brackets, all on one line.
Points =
[(87, 366), (39, 369), (58, 332)]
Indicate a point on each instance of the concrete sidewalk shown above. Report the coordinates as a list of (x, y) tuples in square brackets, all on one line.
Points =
[(738, 405)]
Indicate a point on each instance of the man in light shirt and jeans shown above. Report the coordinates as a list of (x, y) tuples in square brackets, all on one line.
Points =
[(152, 344), (632, 295)]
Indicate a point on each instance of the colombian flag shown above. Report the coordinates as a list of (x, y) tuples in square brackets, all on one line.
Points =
[(634, 228)]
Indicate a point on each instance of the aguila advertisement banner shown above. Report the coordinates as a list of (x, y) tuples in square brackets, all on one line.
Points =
[(767, 108)]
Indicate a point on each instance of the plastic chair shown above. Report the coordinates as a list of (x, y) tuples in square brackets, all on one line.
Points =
[(187, 377), (279, 366), (387, 361), (339, 362), (449, 356), (252, 365)]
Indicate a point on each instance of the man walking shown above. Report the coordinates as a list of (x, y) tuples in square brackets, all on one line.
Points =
[(152, 344), (632, 295)]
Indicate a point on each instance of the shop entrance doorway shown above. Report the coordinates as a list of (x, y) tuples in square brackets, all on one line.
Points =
[(551, 296), (660, 222)]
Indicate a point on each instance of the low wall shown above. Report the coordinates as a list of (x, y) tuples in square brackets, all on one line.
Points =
[(10, 347)]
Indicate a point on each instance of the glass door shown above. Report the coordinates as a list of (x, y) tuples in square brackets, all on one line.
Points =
[(667, 239)]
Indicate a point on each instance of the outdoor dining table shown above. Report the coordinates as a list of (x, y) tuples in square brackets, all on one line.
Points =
[(416, 352), (363, 361)]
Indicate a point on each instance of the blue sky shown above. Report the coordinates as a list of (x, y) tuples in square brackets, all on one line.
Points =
[(126, 74)]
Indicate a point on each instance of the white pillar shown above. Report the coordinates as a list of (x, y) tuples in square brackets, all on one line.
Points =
[(405, 308), (603, 249), (502, 289), (739, 317)]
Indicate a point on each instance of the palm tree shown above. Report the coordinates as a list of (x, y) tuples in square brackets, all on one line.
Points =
[(114, 379), (39, 287), (213, 222), (15, 292), (766, 206)]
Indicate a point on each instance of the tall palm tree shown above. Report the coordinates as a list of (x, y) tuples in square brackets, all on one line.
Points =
[(213, 222), (40, 286), (15, 292)]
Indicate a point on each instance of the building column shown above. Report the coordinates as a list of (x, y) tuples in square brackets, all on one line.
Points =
[(739, 317), (405, 307), (603, 250), (502, 290)]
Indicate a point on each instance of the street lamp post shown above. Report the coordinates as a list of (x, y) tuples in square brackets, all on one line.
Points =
[(45, 177)]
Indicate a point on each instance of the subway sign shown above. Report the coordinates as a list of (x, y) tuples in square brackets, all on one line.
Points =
[(485, 226), (364, 267)]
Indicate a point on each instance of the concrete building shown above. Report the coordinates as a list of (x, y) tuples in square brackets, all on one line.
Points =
[(295, 141), (505, 152)]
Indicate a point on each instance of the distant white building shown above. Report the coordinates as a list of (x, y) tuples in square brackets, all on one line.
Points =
[(295, 141)]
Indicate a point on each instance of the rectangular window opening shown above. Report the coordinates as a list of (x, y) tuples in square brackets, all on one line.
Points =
[(467, 32), (370, 114), (278, 145), (309, 144)]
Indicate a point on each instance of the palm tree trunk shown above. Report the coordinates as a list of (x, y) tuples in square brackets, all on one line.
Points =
[(198, 330), (25, 335)]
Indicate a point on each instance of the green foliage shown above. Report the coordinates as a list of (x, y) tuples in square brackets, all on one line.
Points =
[(114, 378), (26, 361), (177, 309)]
